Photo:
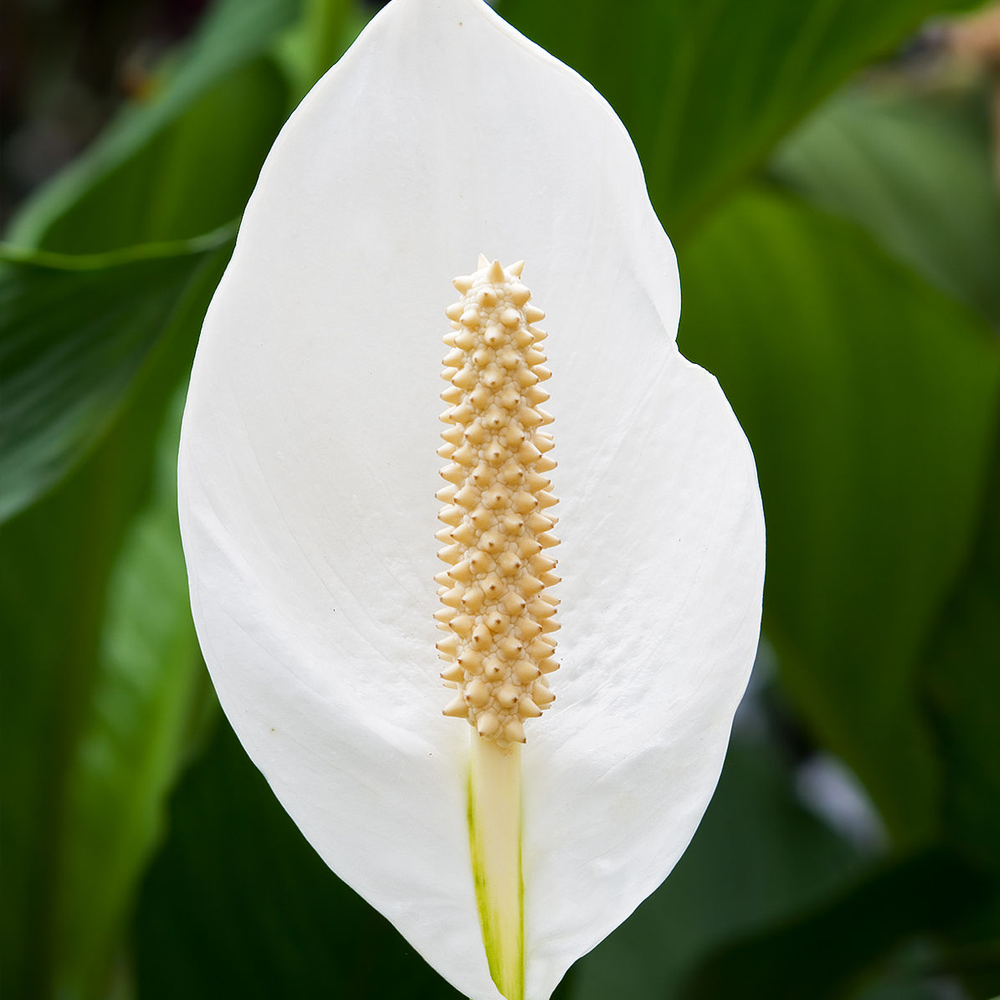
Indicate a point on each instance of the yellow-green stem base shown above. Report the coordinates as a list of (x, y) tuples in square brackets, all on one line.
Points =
[(495, 840)]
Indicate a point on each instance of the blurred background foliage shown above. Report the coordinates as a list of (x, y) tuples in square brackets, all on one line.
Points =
[(828, 173)]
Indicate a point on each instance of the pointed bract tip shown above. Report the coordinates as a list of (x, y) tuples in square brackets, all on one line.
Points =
[(456, 708), (514, 731), (487, 724)]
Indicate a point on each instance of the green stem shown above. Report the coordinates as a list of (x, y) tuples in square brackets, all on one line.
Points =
[(495, 839)]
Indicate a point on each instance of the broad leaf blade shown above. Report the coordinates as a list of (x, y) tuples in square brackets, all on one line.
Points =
[(916, 173), (963, 689), (828, 952), (148, 694), (170, 171), (239, 904), (961, 685), (78, 334), (60, 556), (706, 87), (102, 670), (868, 399), (183, 162)]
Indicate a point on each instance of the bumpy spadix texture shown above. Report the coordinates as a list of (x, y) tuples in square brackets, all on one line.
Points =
[(308, 473), (498, 612)]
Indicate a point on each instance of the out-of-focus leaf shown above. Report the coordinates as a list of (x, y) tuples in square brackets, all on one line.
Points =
[(911, 973), (963, 683), (78, 330), (191, 176), (963, 687), (184, 161), (823, 955), (239, 905), (79, 327), (323, 32), (100, 665), (706, 87), (869, 400), (916, 173), (149, 690), (169, 170), (961, 678), (74, 684), (758, 857)]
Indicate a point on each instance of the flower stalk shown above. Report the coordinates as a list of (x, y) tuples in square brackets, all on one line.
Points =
[(495, 842)]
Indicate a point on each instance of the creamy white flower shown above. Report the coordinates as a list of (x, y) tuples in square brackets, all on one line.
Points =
[(308, 470)]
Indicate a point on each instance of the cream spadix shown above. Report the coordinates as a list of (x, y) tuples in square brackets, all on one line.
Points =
[(308, 470), (497, 611)]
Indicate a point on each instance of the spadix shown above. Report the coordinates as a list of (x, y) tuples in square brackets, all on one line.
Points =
[(498, 615), (312, 450), (497, 587)]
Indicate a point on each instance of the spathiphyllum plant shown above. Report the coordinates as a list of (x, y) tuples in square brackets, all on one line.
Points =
[(507, 825)]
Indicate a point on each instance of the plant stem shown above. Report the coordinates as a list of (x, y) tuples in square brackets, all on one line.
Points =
[(495, 839)]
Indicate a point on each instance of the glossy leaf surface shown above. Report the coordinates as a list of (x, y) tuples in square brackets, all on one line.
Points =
[(82, 331), (916, 174), (869, 400), (706, 87)]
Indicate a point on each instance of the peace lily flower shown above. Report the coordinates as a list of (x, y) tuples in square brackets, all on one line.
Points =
[(308, 471)]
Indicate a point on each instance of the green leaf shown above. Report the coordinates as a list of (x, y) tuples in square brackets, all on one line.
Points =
[(238, 904), (323, 32), (961, 689), (869, 401), (183, 162), (706, 87), (782, 860), (127, 222), (915, 172), (93, 695), (147, 696), (77, 335), (101, 675), (825, 954), (963, 686)]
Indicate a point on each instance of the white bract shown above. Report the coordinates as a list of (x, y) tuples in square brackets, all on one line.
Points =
[(308, 472)]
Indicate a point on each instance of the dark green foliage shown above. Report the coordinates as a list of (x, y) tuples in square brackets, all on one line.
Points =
[(101, 674), (706, 87), (80, 333), (820, 953), (912, 172), (239, 904), (870, 407)]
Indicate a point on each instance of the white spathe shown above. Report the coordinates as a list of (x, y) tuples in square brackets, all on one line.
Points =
[(308, 472)]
